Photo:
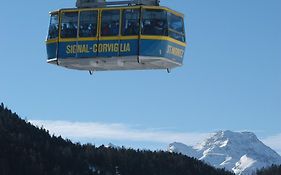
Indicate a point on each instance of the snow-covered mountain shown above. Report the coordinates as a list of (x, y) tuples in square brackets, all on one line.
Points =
[(240, 152)]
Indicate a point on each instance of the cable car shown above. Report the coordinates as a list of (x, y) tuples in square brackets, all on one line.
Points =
[(124, 35)]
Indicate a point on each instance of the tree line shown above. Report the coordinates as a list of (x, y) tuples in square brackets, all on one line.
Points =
[(29, 150), (273, 170)]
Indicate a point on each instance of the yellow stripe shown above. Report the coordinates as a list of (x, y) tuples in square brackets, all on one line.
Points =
[(88, 9), (95, 38), (118, 8), (69, 10), (87, 39), (67, 39), (100, 9), (120, 22), (129, 37), (51, 41), (99, 23), (60, 21), (165, 38), (122, 8), (79, 39), (147, 37), (105, 38)]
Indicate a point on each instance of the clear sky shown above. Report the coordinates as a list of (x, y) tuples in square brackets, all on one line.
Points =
[(231, 78)]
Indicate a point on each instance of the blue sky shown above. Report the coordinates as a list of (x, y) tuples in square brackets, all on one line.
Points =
[(231, 78)]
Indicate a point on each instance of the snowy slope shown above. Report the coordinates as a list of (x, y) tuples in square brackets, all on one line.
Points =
[(240, 152)]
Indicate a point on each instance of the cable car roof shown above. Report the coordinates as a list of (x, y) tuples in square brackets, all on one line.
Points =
[(104, 3), (120, 7)]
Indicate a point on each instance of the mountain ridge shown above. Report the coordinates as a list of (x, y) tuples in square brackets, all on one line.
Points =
[(240, 152)]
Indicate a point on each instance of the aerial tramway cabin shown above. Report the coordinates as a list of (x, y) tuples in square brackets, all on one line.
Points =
[(124, 35)]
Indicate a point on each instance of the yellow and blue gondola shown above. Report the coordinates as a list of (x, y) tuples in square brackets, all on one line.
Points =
[(116, 38)]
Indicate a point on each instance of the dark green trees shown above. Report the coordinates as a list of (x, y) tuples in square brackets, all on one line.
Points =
[(273, 170), (29, 150)]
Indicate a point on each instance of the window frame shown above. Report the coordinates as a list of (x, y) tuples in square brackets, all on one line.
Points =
[(97, 22), (175, 31), (58, 30), (62, 12), (123, 19), (164, 30), (101, 22)]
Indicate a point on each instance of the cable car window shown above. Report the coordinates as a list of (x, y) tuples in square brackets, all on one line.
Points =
[(110, 23), (54, 26), (88, 24), (130, 22), (69, 23), (176, 27), (154, 22)]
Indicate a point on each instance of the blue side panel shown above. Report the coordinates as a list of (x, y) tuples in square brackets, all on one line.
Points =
[(103, 48), (87, 49), (51, 50), (108, 48), (115, 48), (161, 48), (82, 49), (175, 52), (154, 48), (67, 50), (129, 47)]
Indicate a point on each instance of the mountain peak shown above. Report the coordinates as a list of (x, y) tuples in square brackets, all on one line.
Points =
[(221, 137), (235, 135), (240, 152)]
